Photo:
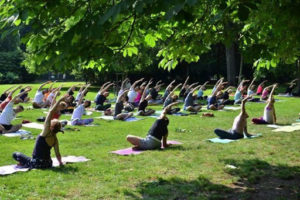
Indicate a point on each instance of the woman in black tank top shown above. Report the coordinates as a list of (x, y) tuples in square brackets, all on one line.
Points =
[(41, 156)]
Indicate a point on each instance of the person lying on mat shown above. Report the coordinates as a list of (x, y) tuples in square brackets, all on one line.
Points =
[(41, 156), (80, 109), (144, 102), (9, 98), (171, 98), (189, 101), (269, 111), (39, 96), (101, 98), (9, 113), (158, 132), (239, 127), (118, 115)]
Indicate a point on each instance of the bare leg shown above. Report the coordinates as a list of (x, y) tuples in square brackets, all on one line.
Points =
[(13, 129), (134, 140), (123, 116), (128, 115), (190, 108), (197, 108), (212, 107), (220, 107), (149, 112)]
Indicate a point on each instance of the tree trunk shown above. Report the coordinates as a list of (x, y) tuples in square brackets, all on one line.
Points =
[(230, 62), (298, 76), (241, 69)]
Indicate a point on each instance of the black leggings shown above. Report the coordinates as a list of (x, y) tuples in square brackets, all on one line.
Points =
[(102, 107), (173, 111), (32, 162), (228, 134)]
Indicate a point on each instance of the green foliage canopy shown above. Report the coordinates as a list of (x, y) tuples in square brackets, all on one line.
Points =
[(68, 34)]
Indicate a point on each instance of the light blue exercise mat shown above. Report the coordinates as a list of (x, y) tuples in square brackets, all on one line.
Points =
[(225, 141)]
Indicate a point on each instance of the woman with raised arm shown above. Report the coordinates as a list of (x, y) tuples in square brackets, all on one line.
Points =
[(9, 113), (118, 115), (184, 88), (168, 90), (9, 98), (239, 127), (41, 156), (157, 135), (260, 87), (132, 93), (212, 101), (266, 92), (39, 96), (80, 109), (238, 96), (5, 94), (144, 103), (101, 98), (24, 98), (189, 101), (171, 98), (269, 111), (201, 91)]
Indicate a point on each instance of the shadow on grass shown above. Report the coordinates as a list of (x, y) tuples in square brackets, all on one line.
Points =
[(256, 180), (66, 169)]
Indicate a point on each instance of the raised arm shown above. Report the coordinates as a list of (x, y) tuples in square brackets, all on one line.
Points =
[(14, 90), (145, 91), (244, 103), (192, 85), (194, 89), (54, 98), (121, 95), (104, 85), (106, 88), (166, 109), (252, 82), (217, 89), (172, 92), (51, 86), (186, 80), (20, 94), (293, 81), (263, 82), (8, 89), (40, 88), (136, 82), (123, 83), (228, 88), (82, 94), (170, 85), (272, 92)]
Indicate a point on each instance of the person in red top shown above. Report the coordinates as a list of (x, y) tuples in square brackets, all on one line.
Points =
[(9, 98), (62, 105)]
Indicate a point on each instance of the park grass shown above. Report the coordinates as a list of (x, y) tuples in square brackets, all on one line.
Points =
[(267, 167)]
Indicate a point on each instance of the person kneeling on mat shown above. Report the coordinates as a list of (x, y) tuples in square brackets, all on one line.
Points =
[(41, 156), (239, 127), (269, 111), (158, 132)]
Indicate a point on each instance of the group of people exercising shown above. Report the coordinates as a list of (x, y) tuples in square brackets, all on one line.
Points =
[(137, 95)]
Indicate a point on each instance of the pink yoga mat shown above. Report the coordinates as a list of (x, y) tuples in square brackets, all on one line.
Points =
[(131, 151)]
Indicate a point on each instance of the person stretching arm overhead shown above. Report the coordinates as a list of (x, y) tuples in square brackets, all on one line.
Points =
[(189, 101), (118, 115), (39, 95), (133, 92), (171, 98), (101, 98), (144, 103), (9, 98)]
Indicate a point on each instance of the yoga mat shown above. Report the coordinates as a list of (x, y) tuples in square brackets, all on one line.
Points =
[(294, 127), (180, 114), (131, 119), (232, 108), (10, 169), (298, 120), (105, 117), (34, 125), (131, 151), (17, 134), (225, 141), (273, 126), (88, 113)]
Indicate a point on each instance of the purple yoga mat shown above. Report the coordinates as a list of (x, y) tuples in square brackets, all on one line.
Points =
[(131, 151)]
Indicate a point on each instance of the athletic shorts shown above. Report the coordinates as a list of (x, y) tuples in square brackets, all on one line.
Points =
[(149, 143)]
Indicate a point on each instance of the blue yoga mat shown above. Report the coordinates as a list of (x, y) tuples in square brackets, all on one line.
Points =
[(225, 141)]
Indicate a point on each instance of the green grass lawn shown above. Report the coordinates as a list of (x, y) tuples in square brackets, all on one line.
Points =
[(267, 167)]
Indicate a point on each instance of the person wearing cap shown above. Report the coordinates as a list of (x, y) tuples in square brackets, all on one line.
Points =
[(41, 156), (157, 133)]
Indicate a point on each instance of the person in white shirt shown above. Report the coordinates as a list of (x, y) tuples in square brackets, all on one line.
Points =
[(133, 92), (239, 127), (9, 113), (80, 109), (269, 116), (38, 98)]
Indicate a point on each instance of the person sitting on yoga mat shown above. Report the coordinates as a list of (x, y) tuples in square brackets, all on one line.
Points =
[(168, 90), (24, 98), (133, 92), (51, 95), (171, 98), (156, 98), (201, 91), (123, 86), (269, 111), (144, 103), (81, 93), (265, 93), (47, 92), (260, 87), (60, 107), (118, 115), (140, 91), (9, 113), (250, 92), (225, 98), (189, 101), (5, 94), (41, 156), (158, 132), (238, 96), (9, 98), (212, 101), (182, 93), (101, 98), (80, 109), (291, 86), (39, 96), (239, 127)]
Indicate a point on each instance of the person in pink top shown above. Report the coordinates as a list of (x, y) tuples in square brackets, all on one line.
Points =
[(266, 92), (260, 88)]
